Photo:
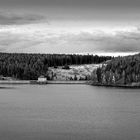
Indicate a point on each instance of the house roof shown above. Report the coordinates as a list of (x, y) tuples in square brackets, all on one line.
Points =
[(41, 76)]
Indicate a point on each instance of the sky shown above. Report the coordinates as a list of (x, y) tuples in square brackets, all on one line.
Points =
[(70, 26)]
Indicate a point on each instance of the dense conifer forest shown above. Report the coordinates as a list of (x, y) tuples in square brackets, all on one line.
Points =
[(120, 70), (30, 66)]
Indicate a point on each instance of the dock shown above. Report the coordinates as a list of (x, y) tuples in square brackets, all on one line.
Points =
[(66, 82)]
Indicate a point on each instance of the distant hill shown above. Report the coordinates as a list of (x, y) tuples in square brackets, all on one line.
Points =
[(119, 71), (31, 66)]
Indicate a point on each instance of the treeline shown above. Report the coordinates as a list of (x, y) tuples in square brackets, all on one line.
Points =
[(120, 70), (30, 66)]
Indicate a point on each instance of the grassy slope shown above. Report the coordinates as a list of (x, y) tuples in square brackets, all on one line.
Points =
[(80, 71)]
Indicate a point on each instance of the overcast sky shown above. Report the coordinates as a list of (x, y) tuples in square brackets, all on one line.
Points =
[(70, 26)]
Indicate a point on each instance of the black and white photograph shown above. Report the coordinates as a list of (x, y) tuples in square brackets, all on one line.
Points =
[(69, 69)]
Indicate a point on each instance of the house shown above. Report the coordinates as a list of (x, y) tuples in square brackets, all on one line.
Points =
[(42, 79)]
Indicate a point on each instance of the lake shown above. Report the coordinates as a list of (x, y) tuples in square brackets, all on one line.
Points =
[(69, 112)]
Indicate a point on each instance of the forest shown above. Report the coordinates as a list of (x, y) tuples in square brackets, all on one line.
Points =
[(119, 70), (31, 66)]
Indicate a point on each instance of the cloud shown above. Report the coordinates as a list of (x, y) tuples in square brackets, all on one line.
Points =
[(102, 42), (18, 19), (44, 40)]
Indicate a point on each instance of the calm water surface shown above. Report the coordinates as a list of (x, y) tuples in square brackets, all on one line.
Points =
[(69, 112)]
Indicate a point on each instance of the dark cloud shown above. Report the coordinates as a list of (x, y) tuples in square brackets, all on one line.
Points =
[(107, 11), (12, 18)]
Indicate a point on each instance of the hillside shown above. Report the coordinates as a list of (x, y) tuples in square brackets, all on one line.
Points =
[(31, 66), (75, 72), (119, 71)]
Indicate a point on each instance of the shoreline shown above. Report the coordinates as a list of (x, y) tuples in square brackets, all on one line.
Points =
[(116, 86), (36, 82), (14, 81)]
